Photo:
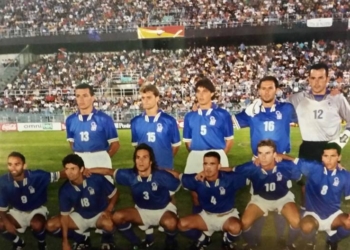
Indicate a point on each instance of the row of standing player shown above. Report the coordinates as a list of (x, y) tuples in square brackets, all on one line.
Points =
[(209, 128), (94, 138)]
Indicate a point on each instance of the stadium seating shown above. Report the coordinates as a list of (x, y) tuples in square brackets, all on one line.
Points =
[(27, 18), (47, 84)]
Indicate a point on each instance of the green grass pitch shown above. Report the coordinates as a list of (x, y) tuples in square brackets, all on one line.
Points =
[(45, 150)]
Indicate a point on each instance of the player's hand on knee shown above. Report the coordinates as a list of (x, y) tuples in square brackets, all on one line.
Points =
[(200, 176)]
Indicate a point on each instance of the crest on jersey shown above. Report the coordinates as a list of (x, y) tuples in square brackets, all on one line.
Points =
[(159, 127), (336, 182), (154, 186), (31, 190), (222, 190), (279, 176), (93, 126), (91, 190), (278, 115), (212, 120)]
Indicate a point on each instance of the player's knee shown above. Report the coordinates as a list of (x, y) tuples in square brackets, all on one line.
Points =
[(234, 226), (294, 222), (118, 218), (38, 222), (183, 224), (346, 223), (107, 225), (246, 223), (53, 224), (308, 224), (169, 223)]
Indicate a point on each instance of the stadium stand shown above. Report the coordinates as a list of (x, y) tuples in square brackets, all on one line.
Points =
[(22, 18), (46, 85)]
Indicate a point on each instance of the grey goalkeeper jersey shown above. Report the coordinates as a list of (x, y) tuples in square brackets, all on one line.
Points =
[(320, 120)]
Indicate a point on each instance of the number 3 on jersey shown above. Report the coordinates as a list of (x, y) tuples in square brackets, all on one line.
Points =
[(84, 136)]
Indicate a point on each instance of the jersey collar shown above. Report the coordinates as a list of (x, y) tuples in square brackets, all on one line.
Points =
[(274, 170), (77, 187), (24, 182), (216, 183), (312, 96), (156, 118), (213, 106), (149, 178), (325, 171), (80, 116), (272, 109)]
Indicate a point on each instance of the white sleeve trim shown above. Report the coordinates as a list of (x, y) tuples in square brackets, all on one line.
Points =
[(55, 176), (113, 193), (70, 139), (229, 138), (134, 144), (186, 140), (113, 140), (178, 144), (235, 122), (347, 197)]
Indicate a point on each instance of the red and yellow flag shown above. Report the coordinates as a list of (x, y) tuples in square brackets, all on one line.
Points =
[(161, 32)]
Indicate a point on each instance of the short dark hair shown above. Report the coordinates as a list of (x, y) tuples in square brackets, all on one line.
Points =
[(319, 66), (74, 159), (17, 155), (149, 88), (268, 143), (86, 86), (333, 145), (205, 83), (213, 154), (268, 78), (144, 146)]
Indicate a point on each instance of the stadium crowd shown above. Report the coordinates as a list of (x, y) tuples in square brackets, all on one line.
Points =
[(53, 17), (48, 83)]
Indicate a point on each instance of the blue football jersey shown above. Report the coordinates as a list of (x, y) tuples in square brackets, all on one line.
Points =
[(324, 189), (208, 129), (152, 192), (26, 195), (275, 184), (90, 133), (87, 199), (271, 123), (159, 132), (215, 196)]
